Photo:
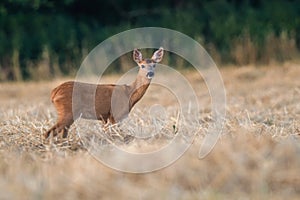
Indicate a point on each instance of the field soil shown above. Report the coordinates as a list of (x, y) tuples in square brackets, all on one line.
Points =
[(256, 157)]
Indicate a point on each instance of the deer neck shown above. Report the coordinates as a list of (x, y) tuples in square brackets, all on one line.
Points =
[(137, 89)]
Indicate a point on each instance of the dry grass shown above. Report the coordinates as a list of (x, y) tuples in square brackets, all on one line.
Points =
[(257, 156)]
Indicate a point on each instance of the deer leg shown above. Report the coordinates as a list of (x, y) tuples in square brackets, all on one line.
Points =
[(47, 134), (60, 128), (112, 119), (105, 126), (107, 122), (64, 131)]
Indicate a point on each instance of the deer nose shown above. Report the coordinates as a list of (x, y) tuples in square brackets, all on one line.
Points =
[(150, 74)]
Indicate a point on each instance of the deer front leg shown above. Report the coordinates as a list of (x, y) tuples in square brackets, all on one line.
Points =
[(109, 121)]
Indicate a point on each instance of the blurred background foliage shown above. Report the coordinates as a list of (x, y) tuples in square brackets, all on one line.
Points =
[(41, 39)]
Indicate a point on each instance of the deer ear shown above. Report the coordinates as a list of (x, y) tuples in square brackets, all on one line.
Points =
[(158, 55), (137, 56)]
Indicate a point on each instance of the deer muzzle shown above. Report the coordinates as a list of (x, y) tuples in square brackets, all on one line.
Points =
[(150, 75)]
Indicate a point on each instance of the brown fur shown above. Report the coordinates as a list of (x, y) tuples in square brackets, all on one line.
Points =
[(62, 95), (102, 102)]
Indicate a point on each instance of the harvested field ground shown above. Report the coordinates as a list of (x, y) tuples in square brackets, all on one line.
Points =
[(256, 157)]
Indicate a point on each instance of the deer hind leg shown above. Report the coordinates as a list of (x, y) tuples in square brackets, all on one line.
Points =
[(47, 134), (60, 128), (57, 129), (64, 121)]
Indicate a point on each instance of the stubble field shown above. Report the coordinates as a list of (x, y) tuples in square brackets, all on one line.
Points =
[(256, 157)]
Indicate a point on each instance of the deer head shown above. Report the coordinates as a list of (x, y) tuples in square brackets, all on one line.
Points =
[(147, 65)]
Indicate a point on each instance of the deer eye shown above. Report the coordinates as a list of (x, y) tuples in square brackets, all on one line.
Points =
[(143, 66)]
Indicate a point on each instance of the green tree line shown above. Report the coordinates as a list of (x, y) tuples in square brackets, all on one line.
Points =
[(45, 38)]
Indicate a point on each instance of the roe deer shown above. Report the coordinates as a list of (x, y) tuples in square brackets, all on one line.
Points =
[(112, 102)]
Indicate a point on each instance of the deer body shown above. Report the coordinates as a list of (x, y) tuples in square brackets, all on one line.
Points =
[(111, 102)]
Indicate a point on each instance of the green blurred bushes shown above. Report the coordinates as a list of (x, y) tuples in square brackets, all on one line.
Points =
[(41, 39)]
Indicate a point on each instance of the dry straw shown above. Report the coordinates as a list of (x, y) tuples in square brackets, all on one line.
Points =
[(257, 156)]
